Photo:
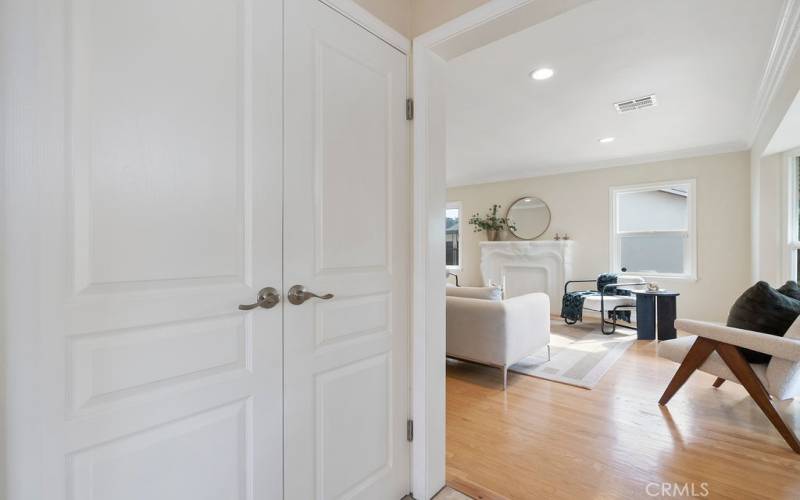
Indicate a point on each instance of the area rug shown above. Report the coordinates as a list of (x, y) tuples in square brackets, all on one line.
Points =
[(580, 354)]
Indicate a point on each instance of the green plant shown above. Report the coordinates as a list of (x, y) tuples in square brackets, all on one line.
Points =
[(491, 222)]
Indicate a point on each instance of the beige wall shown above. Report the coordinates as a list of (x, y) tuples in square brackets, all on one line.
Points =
[(579, 203), (414, 17), (395, 13), (428, 14)]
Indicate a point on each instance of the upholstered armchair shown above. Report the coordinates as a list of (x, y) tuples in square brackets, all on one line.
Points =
[(606, 300), (484, 329), (713, 349)]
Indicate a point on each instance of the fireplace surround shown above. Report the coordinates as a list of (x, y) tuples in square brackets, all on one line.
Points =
[(521, 267)]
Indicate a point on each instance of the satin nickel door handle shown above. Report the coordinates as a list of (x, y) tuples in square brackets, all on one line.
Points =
[(298, 294), (267, 298)]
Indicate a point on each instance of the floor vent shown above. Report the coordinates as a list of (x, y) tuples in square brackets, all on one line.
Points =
[(634, 104)]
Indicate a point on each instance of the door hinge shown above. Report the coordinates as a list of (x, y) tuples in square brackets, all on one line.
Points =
[(410, 430), (409, 109)]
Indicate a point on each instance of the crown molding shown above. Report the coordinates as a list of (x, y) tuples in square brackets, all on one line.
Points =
[(470, 20), (784, 44), (546, 170)]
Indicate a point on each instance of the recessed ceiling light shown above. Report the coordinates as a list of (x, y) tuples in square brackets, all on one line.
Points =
[(605, 140), (542, 73)]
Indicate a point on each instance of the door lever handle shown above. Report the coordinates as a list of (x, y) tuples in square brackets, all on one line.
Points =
[(267, 298), (298, 294)]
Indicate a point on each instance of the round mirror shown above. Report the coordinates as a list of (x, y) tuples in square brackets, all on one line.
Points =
[(529, 216)]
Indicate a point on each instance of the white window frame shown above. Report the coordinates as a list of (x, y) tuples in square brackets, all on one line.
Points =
[(460, 207), (790, 238), (690, 255)]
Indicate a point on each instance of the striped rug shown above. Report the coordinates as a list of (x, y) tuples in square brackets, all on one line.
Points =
[(580, 354)]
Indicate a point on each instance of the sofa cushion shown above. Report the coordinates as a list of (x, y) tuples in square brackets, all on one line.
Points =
[(763, 309), (790, 289), (475, 292)]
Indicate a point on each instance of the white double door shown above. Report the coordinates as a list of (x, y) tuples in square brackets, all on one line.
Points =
[(213, 149)]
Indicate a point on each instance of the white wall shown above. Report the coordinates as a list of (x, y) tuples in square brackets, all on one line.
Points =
[(579, 203)]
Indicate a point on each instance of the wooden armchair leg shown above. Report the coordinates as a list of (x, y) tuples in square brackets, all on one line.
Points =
[(748, 378), (700, 351), (719, 381)]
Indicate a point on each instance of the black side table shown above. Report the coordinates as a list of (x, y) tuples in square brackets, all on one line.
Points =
[(656, 309)]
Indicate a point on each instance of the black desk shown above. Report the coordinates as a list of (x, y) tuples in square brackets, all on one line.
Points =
[(656, 309)]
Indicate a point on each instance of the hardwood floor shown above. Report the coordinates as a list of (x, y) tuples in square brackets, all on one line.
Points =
[(541, 439)]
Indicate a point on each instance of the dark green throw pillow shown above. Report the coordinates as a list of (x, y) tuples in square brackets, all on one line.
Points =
[(790, 289), (763, 309)]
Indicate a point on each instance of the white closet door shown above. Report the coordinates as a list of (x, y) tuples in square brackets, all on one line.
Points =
[(152, 384), (346, 233)]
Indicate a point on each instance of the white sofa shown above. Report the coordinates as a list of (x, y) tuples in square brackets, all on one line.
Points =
[(484, 329)]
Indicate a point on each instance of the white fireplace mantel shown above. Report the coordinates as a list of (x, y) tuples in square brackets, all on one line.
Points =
[(521, 267)]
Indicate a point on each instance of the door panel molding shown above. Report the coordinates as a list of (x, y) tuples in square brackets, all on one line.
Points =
[(173, 146), (337, 68), (369, 390), (137, 456), (111, 368), (371, 314)]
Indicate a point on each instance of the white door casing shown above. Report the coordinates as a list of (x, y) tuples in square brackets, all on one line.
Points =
[(161, 216), (346, 232)]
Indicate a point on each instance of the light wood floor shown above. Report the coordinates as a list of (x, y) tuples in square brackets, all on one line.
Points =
[(542, 439)]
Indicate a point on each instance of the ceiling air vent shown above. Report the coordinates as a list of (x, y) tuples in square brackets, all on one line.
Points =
[(634, 104)]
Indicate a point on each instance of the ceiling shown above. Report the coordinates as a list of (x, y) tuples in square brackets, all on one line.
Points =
[(704, 61)]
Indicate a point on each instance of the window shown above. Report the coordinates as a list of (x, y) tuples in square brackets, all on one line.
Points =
[(453, 235), (792, 181), (652, 230)]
